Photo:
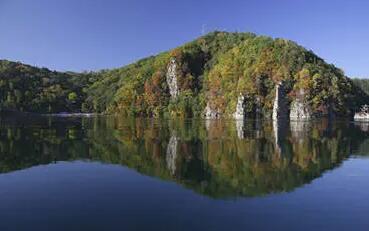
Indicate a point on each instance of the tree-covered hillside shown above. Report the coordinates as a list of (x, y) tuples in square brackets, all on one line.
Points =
[(31, 89), (210, 72), (363, 84), (141, 88)]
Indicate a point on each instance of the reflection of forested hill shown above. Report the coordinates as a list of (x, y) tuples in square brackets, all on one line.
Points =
[(215, 158), (362, 141)]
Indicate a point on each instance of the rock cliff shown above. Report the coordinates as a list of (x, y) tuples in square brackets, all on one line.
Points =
[(299, 111), (210, 113), (363, 115), (172, 78), (280, 106), (239, 114)]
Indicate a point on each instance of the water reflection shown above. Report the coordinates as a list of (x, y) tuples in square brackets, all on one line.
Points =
[(217, 158), (172, 153)]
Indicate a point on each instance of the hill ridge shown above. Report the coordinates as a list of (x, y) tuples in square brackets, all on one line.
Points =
[(220, 74)]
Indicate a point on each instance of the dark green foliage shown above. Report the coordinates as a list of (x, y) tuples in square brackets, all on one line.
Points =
[(32, 89), (363, 84)]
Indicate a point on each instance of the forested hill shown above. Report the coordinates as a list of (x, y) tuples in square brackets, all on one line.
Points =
[(30, 89), (363, 84), (219, 74)]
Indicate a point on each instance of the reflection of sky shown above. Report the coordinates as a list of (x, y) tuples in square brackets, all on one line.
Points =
[(94, 196)]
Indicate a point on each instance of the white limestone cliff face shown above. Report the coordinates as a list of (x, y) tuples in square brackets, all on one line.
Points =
[(280, 107), (300, 110), (172, 78), (239, 114), (210, 113), (361, 117)]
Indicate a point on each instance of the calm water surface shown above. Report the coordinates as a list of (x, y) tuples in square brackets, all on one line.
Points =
[(107, 173)]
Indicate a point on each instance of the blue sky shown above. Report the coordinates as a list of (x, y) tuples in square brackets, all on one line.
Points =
[(82, 35)]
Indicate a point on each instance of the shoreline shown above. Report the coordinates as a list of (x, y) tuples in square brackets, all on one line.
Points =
[(63, 114)]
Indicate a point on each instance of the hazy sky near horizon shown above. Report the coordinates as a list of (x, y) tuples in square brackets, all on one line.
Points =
[(79, 35)]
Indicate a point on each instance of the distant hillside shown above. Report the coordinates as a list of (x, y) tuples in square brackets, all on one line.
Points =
[(31, 89), (363, 84), (219, 74)]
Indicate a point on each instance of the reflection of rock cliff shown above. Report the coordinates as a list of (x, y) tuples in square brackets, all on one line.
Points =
[(240, 126), (279, 130), (214, 162), (172, 154), (363, 126), (300, 129)]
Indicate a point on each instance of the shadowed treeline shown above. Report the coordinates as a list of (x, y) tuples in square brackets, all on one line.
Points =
[(222, 159)]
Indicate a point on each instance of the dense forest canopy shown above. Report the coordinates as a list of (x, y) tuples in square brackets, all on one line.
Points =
[(212, 71), (31, 89)]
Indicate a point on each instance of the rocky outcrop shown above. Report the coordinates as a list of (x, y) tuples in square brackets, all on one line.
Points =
[(210, 113), (280, 107), (172, 78), (363, 115), (239, 114), (299, 109)]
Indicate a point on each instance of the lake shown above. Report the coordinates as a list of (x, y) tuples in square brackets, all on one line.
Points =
[(112, 173)]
